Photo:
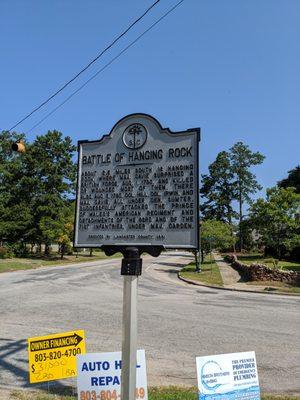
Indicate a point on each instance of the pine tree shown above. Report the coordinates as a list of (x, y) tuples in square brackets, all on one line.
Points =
[(293, 179), (218, 190), (242, 159)]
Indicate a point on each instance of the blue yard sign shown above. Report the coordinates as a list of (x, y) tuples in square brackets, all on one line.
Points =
[(99, 376)]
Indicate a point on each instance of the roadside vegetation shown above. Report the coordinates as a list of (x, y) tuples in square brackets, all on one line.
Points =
[(283, 265), (37, 191), (163, 393), (262, 231), (259, 258), (209, 275)]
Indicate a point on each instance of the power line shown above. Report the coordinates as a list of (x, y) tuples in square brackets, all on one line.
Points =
[(106, 65), (86, 67)]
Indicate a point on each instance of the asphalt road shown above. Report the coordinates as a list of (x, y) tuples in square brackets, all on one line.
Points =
[(177, 321)]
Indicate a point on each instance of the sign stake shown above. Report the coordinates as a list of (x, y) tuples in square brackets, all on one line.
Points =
[(131, 268), (129, 341)]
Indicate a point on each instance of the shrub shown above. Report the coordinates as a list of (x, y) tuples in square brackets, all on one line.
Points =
[(6, 252), (19, 250), (68, 249)]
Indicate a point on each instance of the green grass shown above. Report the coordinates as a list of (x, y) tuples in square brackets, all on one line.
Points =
[(172, 393), (14, 264), (275, 286), (162, 393), (259, 258), (210, 273)]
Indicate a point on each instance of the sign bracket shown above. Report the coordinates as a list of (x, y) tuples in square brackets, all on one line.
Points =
[(154, 251)]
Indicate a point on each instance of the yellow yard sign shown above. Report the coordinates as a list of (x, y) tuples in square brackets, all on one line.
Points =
[(54, 356)]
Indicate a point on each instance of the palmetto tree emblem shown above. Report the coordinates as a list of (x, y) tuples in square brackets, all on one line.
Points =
[(135, 136)]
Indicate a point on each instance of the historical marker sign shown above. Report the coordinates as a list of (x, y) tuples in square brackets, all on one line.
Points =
[(138, 186), (54, 356)]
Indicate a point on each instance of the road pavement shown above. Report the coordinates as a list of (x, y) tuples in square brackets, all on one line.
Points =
[(177, 321)]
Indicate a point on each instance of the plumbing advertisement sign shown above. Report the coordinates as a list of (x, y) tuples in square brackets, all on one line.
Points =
[(99, 376), (228, 377)]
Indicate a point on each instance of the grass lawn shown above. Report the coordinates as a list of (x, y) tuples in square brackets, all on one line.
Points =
[(259, 258), (164, 393), (274, 286), (13, 264), (210, 273)]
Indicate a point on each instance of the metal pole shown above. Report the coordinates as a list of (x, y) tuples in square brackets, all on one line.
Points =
[(129, 340), (131, 269)]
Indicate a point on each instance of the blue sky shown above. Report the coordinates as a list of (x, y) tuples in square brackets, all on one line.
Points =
[(230, 67)]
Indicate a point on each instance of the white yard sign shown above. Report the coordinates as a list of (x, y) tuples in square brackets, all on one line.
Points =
[(138, 186), (99, 376), (228, 377)]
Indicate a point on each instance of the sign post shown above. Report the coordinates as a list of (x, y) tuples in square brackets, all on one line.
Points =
[(129, 340), (137, 192), (131, 269)]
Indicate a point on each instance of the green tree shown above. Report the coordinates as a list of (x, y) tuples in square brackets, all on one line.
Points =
[(35, 188), (15, 215), (215, 235), (292, 180), (276, 219), (218, 190), (242, 159), (66, 229), (60, 229), (53, 181)]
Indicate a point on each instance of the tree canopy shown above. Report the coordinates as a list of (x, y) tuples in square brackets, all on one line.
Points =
[(292, 180), (215, 235), (36, 188), (277, 221), (230, 179), (219, 190)]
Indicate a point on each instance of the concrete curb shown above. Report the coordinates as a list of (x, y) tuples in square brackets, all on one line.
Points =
[(196, 283)]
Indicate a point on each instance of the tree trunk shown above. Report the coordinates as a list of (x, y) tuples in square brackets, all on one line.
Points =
[(231, 230), (233, 239), (62, 251), (240, 217), (46, 252), (91, 252), (202, 256)]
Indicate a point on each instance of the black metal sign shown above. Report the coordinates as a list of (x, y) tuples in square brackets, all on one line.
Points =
[(138, 186)]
